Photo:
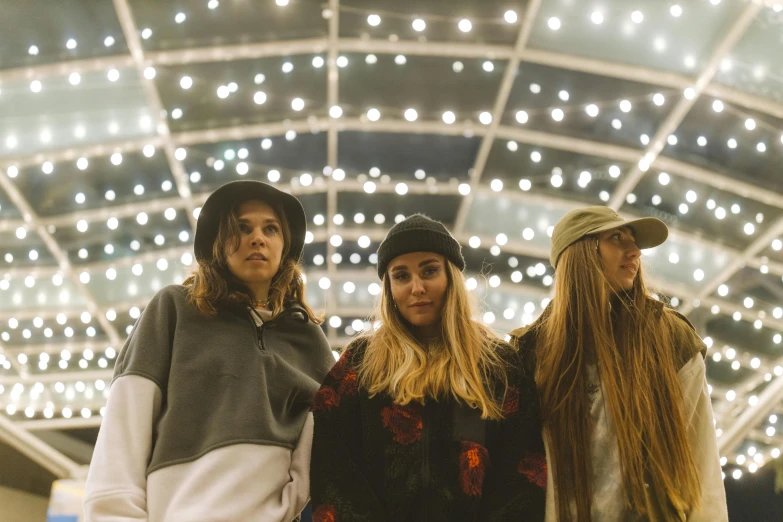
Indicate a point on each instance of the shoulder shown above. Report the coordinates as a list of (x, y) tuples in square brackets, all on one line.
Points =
[(171, 295), (686, 342)]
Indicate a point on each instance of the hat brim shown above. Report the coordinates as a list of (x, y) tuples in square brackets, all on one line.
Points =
[(648, 232), (240, 191)]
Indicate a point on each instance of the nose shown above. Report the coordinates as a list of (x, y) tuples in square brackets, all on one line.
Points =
[(633, 252), (418, 286), (256, 237)]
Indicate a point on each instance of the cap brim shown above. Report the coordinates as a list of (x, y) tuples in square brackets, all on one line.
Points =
[(648, 232), (239, 191)]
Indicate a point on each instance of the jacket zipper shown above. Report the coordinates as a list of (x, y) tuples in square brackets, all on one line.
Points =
[(266, 324)]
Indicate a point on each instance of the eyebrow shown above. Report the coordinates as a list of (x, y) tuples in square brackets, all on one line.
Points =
[(267, 220), (425, 262), (628, 231)]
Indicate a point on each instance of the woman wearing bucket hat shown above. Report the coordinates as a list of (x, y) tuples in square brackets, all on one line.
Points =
[(208, 417), (624, 397), (416, 421)]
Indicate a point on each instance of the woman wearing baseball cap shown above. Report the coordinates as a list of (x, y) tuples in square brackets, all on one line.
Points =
[(417, 421), (208, 417), (627, 416)]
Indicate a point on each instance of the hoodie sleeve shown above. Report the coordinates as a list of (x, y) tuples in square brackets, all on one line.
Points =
[(339, 485), (116, 487)]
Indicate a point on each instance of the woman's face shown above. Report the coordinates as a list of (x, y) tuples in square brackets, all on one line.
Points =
[(261, 242), (620, 256), (418, 285)]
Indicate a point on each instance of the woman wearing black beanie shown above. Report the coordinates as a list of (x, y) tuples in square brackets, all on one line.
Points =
[(417, 420)]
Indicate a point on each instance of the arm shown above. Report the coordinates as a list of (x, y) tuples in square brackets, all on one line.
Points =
[(516, 485), (116, 488), (297, 491), (340, 489), (704, 444)]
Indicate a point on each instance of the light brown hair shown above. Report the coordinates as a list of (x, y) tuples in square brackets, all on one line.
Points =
[(212, 286), (461, 363), (632, 343)]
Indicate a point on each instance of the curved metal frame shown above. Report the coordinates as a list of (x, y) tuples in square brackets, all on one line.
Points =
[(333, 44)]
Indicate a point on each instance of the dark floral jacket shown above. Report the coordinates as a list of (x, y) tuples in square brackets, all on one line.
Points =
[(375, 461)]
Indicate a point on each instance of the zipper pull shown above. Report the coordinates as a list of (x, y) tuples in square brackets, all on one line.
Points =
[(260, 334)]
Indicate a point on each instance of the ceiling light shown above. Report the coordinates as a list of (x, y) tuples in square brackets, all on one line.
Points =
[(675, 10), (419, 25), (637, 17), (186, 82), (597, 17), (464, 25), (374, 20), (411, 115), (554, 23), (449, 117), (557, 114), (75, 78), (342, 61), (71, 44), (592, 110), (146, 33), (335, 111), (373, 114), (659, 99), (717, 106), (485, 118), (510, 17), (750, 124)]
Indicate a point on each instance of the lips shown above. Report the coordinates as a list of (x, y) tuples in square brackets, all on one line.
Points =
[(631, 268), (257, 257), (420, 305)]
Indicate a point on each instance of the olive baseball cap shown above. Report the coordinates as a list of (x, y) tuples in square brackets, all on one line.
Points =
[(576, 224)]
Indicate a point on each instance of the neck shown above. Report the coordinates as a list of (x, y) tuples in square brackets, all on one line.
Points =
[(260, 291), (427, 333)]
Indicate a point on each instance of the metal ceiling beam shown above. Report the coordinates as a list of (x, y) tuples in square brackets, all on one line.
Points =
[(752, 416), (463, 50), (761, 243), (683, 106), (38, 451), (521, 135), (133, 40), (498, 109), (64, 264), (243, 51), (332, 100)]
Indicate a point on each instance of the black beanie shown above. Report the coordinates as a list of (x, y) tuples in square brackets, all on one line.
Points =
[(418, 233)]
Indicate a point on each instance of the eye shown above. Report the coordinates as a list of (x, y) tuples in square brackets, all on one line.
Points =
[(272, 229), (400, 276), (432, 270), (244, 228)]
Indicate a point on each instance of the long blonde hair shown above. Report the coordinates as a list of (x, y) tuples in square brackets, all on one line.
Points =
[(632, 346), (464, 363), (212, 286)]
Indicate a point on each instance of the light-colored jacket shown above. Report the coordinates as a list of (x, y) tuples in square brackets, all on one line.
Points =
[(608, 501)]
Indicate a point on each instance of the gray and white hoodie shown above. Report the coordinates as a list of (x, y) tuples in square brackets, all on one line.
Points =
[(208, 418)]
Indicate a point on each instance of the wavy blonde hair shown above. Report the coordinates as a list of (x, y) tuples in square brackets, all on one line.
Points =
[(212, 286), (633, 348), (461, 363)]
